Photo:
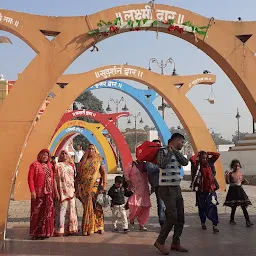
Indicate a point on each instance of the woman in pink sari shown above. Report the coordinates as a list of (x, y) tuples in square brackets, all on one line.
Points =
[(40, 181), (139, 203), (66, 216)]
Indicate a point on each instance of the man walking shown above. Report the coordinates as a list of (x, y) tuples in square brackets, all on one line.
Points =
[(170, 161)]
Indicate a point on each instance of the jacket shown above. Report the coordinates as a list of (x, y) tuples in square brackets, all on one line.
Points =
[(118, 194)]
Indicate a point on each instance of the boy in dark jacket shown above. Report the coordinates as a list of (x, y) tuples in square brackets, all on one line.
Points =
[(117, 192)]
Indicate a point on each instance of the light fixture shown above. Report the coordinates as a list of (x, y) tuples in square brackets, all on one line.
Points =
[(141, 121), (108, 108), (174, 73), (125, 108), (237, 114), (129, 121), (206, 72)]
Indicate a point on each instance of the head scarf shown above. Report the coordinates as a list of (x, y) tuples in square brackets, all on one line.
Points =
[(86, 154), (40, 154), (61, 159)]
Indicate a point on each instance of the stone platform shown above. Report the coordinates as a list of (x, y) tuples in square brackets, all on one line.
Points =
[(232, 240)]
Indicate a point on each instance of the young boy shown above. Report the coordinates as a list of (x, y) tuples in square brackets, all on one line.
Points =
[(117, 192)]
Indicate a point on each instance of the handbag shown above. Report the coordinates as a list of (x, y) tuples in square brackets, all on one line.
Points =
[(103, 200)]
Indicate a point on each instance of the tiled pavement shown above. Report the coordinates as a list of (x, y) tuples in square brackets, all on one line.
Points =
[(232, 240)]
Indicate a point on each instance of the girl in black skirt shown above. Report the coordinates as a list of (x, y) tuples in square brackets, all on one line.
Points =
[(236, 195)]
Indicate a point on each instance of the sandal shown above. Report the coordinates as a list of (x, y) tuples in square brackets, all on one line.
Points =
[(204, 226), (215, 229)]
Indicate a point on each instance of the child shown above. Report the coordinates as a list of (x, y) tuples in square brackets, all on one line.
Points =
[(117, 192), (236, 195)]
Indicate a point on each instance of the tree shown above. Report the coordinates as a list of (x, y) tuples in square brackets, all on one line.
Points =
[(219, 140), (86, 101), (147, 128), (130, 138), (217, 137), (235, 136), (180, 130)]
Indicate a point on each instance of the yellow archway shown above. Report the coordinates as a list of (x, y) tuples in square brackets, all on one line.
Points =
[(96, 129)]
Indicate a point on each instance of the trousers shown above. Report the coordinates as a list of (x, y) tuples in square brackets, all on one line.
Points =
[(173, 200), (160, 209), (206, 209), (119, 210)]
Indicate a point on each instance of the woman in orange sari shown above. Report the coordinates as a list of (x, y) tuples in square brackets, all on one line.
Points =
[(91, 181)]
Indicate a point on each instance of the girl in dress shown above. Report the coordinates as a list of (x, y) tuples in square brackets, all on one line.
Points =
[(236, 195)]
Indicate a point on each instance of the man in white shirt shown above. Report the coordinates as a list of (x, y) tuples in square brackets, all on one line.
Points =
[(78, 154)]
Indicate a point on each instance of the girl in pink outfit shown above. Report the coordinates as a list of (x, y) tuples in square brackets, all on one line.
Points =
[(139, 203)]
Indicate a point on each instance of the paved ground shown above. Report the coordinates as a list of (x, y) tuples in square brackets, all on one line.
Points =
[(232, 240)]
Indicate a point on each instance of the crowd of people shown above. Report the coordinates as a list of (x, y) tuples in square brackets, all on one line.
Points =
[(55, 186)]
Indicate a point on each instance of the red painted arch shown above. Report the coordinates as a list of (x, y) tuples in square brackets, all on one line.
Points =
[(108, 121)]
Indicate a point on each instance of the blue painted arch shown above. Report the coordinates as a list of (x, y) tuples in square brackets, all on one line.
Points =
[(86, 133), (145, 98)]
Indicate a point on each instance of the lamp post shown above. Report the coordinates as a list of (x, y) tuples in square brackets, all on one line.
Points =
[(162, 65), (108, 109), (238, 123), (117, 103), (135, 117)]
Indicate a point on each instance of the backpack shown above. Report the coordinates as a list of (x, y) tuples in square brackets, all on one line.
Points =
[(147, 151)]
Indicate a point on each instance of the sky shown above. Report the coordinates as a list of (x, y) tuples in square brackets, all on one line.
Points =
[(137, 48)]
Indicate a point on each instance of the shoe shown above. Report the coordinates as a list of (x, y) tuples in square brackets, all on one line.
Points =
[(248, 224), (204, 226), (142, 228), (132, 225), (232, 222), (126, 230), (215, 229), (162, 248), (115, 230), (178, 248)]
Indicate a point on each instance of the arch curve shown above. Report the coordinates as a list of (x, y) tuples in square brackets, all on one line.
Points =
[(74, 126), (185, 111), (235, 58)]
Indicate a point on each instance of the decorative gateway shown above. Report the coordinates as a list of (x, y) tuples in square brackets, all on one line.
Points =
[(108, 28)]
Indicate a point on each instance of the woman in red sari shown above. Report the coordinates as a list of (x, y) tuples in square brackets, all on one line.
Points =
[(41, 185)]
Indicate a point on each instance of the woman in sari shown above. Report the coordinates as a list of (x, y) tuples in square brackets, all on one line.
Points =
[(139, 203), (203, 170), (66, 216), (40, 181), (91, 181)]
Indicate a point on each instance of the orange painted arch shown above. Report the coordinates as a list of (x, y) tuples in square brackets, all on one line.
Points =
[(191, 120), (236, 58)]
